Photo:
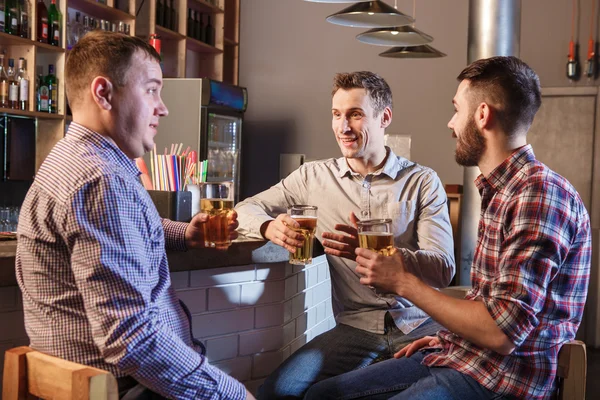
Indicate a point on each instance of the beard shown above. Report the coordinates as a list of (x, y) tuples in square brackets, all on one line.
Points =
[(470, 146)]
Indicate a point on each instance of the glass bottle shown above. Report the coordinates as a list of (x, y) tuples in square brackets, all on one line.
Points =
[(159, 13), (190, 24), (43, 93), (166, 15), (173, 23), (24, 13), (54, 24), (2, 15), (23, 82), (12, 17), (52, 83), (42, 22), (201, 28), (210, 33), (4, 84), (13, 85)]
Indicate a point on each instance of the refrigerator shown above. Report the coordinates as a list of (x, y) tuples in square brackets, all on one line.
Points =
[(207, 116)]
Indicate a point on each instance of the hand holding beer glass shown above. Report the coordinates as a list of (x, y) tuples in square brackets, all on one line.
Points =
[(216, 200), (376, 235), (306, 216)]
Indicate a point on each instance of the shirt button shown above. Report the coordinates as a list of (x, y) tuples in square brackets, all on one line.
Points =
[(364, 213)]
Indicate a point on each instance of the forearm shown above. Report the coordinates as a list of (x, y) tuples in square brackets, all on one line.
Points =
[(466, 318), (174, 234)]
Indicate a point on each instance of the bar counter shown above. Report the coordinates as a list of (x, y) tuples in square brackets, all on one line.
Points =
[(250, 307)]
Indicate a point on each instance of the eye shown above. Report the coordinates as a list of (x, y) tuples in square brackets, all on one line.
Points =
[(336, 115), (356, 115), (152, 90)]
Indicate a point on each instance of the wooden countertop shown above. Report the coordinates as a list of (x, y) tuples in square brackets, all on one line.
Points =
[(242, 251)]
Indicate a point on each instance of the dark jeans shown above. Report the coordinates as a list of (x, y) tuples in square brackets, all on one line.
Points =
[(401, 379), (335, 352)]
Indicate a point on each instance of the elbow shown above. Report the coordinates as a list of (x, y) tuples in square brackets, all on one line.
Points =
[(504, 346)]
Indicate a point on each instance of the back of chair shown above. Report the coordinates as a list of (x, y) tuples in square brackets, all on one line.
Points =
[(572, 371), (30, 373)]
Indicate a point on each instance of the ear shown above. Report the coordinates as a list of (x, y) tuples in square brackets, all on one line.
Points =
[(483, 116), (386, 117), (102, 92)]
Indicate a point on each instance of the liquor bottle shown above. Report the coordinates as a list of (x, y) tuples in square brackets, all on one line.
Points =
[(210, 33), (12, 17), (24, 18), (23, 82), (160, 12), (173, 24), (52, 84), (201, 28), (2, 15), (54, 25), (13, 85), (190, 24), (42, 22), (166, 15), (43, 93), (4, 84)]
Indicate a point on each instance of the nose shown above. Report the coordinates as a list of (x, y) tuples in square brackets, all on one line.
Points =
[(451, 123), (162, 110), (344, 125)]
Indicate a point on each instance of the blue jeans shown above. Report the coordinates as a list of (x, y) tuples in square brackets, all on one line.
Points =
[(339, 350), (399, 379)]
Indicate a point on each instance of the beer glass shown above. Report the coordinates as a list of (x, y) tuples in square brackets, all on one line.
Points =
[(376, 235), (306, 216), (216, 200)]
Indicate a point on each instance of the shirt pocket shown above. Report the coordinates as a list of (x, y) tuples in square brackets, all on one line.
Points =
[(404, 224)]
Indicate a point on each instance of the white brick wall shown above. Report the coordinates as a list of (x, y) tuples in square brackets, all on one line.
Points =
[(250, 317)]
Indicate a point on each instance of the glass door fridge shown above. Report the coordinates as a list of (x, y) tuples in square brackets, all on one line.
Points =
[(206, 115)]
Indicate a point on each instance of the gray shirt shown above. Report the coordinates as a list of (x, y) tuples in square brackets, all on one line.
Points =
[(409, 194)]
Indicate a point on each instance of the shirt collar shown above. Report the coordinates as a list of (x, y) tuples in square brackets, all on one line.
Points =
[(504, 172), (393, 164), (106, 147)]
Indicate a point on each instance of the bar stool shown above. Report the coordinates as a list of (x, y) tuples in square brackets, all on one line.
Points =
[(29, 372)]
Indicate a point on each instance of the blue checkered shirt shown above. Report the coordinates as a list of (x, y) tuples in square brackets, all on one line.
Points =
[(92, 267)]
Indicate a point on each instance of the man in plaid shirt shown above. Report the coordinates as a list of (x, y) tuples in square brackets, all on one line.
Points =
[(530, 270)]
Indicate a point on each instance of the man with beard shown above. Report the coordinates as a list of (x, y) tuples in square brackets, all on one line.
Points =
[(530, 271), (372, 182)]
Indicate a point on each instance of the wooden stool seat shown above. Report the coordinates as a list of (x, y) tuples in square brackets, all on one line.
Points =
[(30, 373)]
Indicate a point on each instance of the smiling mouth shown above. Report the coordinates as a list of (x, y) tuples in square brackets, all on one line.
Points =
[(348, 140)]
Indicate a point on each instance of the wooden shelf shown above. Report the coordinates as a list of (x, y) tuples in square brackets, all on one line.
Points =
[(99, 10), (229, 42), (201, 47), (165, 33), (31, 114), (11, 40), (203, 5)]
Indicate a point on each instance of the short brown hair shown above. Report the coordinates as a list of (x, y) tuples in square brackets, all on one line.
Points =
[(507, 84), (377, 88), (101, 53)]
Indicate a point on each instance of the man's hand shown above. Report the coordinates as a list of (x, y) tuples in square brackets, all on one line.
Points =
[(427, 341), (385, 273), (342, 245), (194, 233), (279, 232)]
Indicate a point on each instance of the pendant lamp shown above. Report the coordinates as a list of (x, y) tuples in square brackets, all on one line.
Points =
[(396, 36), (335, 1), (370, 14), (423, 51)]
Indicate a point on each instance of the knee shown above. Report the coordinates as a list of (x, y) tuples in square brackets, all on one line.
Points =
[(317, 391)]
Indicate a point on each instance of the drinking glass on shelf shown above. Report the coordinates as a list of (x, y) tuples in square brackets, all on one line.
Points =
[(216, 200), (4, 219), (306, 216)]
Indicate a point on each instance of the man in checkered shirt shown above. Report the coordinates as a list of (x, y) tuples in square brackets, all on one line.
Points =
[(530, 270), (91, 260)]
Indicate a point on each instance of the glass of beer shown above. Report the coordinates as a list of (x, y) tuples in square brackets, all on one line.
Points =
[(216, 200), (306, 216), (376, 235)]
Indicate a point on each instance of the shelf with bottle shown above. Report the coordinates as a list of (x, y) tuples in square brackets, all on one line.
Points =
[(206, 6), (100, 10), (31, 114)]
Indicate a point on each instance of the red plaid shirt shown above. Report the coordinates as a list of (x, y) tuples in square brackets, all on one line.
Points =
[(531, 269)]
